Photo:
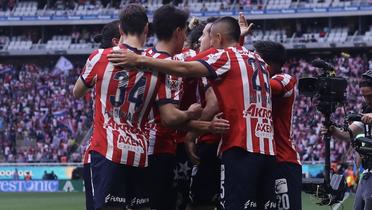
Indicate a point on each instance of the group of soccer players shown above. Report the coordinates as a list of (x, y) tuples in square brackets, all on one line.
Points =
[(228, 108)]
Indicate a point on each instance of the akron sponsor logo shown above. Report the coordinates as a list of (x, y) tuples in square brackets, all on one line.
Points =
[(264, 130), (255, 111)]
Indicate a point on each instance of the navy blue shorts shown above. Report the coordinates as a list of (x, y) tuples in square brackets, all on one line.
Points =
[(247, 180), (161, 172), (205, 177), (288, 186), (89, 205), (118, 186)]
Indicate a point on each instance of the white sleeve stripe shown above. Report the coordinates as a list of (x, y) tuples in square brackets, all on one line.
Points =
[(283, 78), (91, 63), (288, 93), (225, 68)]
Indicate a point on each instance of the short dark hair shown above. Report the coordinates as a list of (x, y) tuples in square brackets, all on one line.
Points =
[(233, 29), (133, 19), (211, 19), (195, 34), (109, 31), (271, 52), (167, 19), (366, 79)]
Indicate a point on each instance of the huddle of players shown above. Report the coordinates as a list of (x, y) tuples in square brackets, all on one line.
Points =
[(145, 98)]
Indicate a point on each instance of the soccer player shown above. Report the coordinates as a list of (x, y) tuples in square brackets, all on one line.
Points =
[(109, 37), (240, 80), (205, 177), (189, 96), (120, 137), (170, 26), (289, 171)]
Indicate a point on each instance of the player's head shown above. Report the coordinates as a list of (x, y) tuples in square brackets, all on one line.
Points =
[(170, 25), (273, 53), (194, 35), (109, 36), (365, 86), (205, 40), (134, 21), (225, 32)]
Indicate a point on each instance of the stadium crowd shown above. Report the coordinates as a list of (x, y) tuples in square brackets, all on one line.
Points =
[(307, 121), (40, 121)]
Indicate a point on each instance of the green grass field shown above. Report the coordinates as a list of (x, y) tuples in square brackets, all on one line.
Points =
[(75, 201)]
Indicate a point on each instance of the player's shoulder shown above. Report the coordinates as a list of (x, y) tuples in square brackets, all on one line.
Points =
[(285, 75), (285, 78), (96, 54), (186, 54)]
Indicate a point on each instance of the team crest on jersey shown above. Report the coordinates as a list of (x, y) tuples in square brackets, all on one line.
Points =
[(173, 83)]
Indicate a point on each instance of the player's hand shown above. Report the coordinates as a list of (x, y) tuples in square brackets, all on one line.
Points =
[(324, 130), (245, 28), (218, 124), (190, 148), (367, 118), (194, 111), (123, 58)]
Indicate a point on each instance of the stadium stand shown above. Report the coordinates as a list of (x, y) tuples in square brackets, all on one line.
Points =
[(50, 137), (40, 121), (82, 7), (41, 130)]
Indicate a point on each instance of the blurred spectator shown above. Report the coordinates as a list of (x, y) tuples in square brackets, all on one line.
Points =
[(28, 176), (41, 120)]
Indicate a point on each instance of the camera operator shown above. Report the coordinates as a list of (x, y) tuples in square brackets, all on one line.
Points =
[(363, 198)]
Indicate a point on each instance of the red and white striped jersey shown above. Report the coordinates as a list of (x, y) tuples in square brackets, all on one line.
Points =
[(208, 138), (162, 139), (122, 105), (241, 82), (283, 96), (194, 91)]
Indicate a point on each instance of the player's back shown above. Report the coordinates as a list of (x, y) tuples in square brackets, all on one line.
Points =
[(122, 106), (162, 139), (282, 117), (245, 99)]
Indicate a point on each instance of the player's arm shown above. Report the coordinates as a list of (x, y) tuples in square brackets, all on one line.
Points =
[(88, 76), (178, 68), (211, 109), (282, 85), (276, 87), (80, 88), (245, 28), (172, 117)]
